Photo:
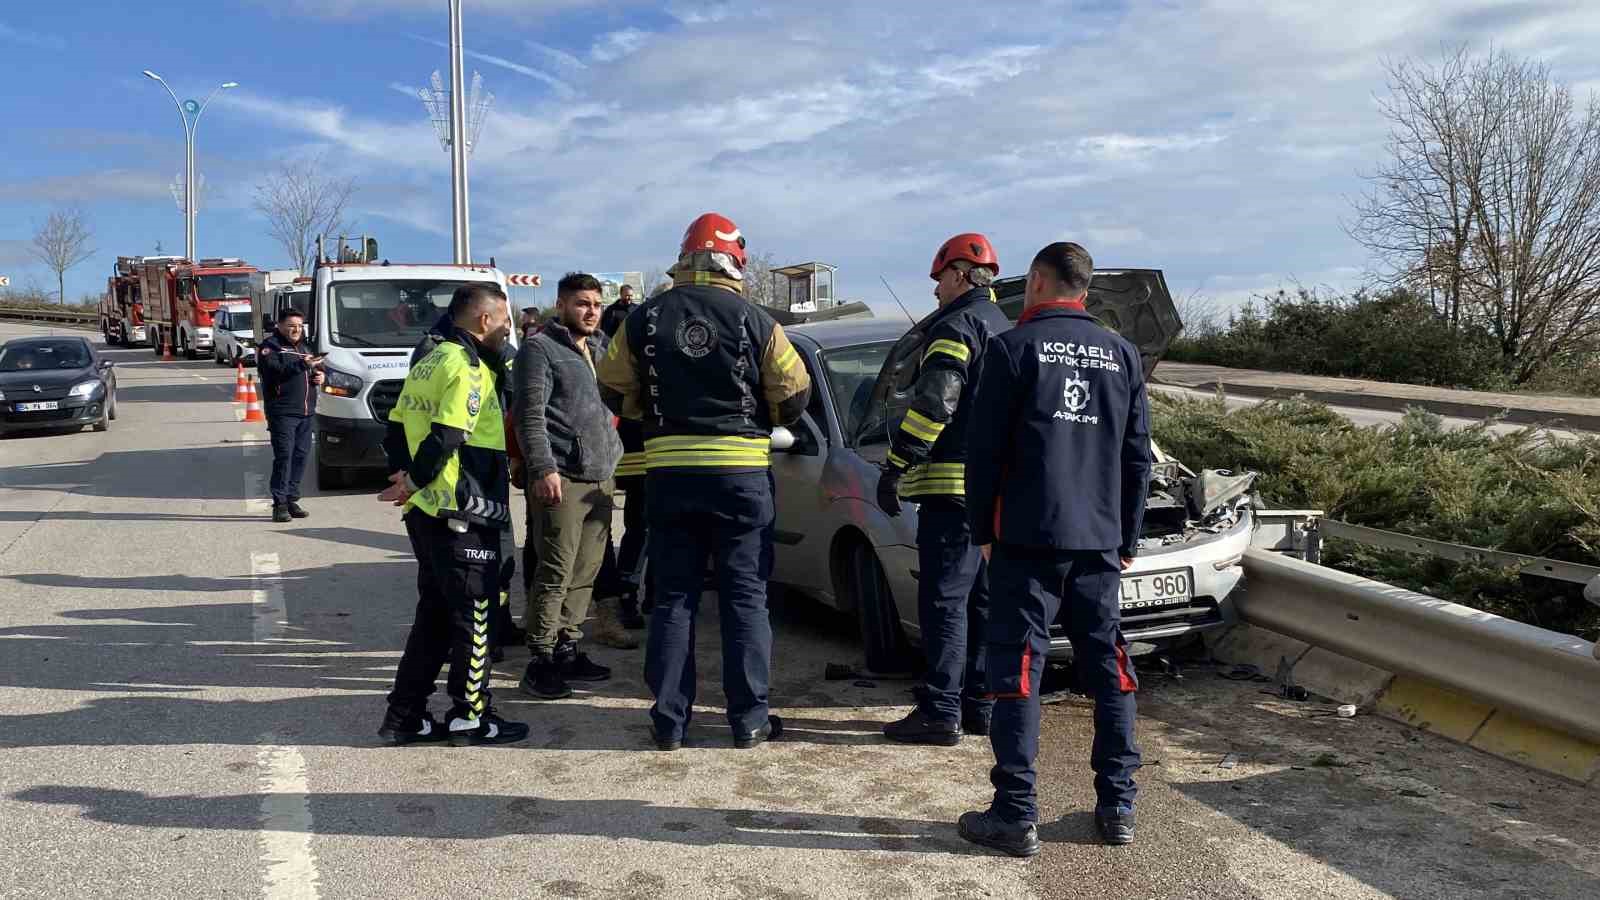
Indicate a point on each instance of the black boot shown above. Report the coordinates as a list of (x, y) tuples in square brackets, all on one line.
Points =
[(988, 829), (577, 666), (917, 728), (543, 680), (628, 612), (1115, 823), (280, 513), (296, 510)]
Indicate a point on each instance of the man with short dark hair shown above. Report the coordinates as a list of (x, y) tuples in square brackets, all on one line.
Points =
[(570, 452), (1058, 468), (447, 455), (290, 376), (617, 312)]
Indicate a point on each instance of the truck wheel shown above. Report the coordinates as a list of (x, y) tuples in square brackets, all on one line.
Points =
[(883, 640), (330, 478), (155, 340), (189, 350)]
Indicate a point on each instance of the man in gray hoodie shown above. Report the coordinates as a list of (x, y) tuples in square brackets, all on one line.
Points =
[(570, 450)]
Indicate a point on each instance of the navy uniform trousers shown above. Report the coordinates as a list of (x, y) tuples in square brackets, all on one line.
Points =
[(952, 610), (1030, 586), (728, 518), (458, 584)]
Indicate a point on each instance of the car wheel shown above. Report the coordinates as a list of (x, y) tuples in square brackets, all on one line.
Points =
[(882, 638), (330, 478), (111, 411)]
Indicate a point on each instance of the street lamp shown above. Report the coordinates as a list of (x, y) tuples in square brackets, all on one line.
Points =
[(190, 111)]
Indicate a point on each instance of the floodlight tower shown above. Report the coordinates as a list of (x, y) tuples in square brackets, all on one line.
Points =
[(455, 112)]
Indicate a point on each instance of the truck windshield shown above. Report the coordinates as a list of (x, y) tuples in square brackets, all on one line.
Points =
[(386, 313), (219, 287)]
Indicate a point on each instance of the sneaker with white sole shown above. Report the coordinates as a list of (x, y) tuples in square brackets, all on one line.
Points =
[(486, 729), (400, 730)]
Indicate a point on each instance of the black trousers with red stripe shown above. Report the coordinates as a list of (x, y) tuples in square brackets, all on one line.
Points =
[(1028, 588)]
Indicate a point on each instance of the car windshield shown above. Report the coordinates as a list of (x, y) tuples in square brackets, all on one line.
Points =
[(386, 313), (852, 372), (218, 287), (44, 355)]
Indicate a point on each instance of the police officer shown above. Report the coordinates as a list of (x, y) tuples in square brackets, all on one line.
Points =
[(1058, 469), (709, 375), (290, 375), (447, 449), (925, 466)]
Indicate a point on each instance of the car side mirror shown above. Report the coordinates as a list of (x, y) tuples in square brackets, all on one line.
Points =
[(106, 364), (782, 438)]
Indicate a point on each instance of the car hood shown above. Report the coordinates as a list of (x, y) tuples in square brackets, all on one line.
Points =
[(47, 379), (1135, 303)]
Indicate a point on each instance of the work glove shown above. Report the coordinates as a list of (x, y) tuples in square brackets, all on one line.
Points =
[(889, 491)]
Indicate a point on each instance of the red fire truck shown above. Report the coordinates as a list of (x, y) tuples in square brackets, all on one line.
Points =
[(122, 307), (180, 296)]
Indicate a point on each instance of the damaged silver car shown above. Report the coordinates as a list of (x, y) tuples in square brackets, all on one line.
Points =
[(835, 544)]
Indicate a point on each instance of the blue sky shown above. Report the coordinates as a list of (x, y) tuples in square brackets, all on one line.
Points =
[(1219, 140)]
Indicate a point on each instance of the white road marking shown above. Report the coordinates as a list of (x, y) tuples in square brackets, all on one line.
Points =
[(288, 865)]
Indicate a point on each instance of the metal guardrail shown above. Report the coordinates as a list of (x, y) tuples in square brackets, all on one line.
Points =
[(57, 316), (1540, 566), (1543, 675)]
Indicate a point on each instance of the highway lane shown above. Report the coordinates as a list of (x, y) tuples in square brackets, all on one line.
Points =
[(189, 694)]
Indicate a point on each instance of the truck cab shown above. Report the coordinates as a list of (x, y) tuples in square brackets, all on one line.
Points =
[(206, 287), (366, 318)]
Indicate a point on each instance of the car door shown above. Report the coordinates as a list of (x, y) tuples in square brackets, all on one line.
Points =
[(800, 542)]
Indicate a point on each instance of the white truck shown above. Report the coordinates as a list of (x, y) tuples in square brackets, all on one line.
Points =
[(366, 318)]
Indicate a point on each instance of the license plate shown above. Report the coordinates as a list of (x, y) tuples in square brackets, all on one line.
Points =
[(40, 406), (1152, 590)]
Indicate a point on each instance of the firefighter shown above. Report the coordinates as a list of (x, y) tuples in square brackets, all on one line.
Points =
[(709, 375), (924, 465), (1058, 468), (447, 451)]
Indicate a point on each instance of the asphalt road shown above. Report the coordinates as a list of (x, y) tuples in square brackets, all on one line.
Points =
[(189, 694)]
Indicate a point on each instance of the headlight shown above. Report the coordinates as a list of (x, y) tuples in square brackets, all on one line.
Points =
[(340, 384), (2, 395), (83, 389)]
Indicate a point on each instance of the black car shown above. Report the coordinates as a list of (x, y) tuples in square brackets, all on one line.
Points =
[(55, 382)]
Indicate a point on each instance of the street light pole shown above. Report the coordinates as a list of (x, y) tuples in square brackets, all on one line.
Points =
[(186, 109), (458, 140)]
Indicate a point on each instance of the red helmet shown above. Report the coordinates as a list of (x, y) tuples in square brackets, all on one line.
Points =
[(716, 233), (972, 247)]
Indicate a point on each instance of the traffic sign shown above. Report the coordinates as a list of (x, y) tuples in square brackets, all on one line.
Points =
[(523, 280), (5, 281)]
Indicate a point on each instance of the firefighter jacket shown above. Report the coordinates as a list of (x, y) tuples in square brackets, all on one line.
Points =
[(285, 378), (447, 430), (1059, 451), (930, 445), (632, 434), (707, 375)]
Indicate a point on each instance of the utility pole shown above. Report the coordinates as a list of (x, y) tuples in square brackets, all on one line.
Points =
[(190, 112), (458, 144)]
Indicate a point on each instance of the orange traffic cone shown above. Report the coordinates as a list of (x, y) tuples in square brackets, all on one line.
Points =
[(166, 347), (252, 403), (241, 393)]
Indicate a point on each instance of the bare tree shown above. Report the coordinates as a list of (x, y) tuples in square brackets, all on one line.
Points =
[(61, 243), (300, 201), (1489, 204), (758, 281)]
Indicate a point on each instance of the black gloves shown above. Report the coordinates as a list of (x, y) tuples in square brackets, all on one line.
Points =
[(889, 491)]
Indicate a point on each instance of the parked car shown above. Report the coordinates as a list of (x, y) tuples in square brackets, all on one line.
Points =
[(55, 383), (233, 337), (833, 542)]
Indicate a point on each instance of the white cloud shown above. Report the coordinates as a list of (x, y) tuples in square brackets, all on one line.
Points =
[(614, 45), (1215, 140), (557, 84)]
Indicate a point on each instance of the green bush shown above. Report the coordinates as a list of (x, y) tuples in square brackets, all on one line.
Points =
[(1520, 493), (1392, 336)]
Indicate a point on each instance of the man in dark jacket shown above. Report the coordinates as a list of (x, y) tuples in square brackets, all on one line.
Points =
[(1058, 468), (617, 312), (570, 452), (290, 376)]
